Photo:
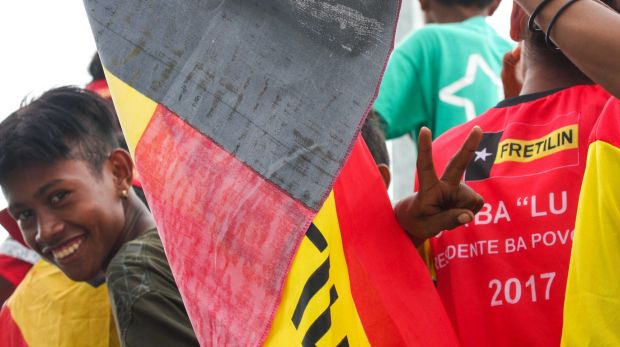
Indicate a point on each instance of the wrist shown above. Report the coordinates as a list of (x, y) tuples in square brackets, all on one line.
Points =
[(404, 212)]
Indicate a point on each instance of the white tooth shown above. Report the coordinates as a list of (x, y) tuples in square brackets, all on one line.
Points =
[(68, 250)]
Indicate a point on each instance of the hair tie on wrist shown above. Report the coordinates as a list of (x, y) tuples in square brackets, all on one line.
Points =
[(530, 23), (555, 19)]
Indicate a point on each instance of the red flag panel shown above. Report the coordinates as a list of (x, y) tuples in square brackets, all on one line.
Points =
[(225, 241)]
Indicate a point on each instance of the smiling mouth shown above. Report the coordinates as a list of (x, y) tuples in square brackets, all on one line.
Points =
[(67, 249)]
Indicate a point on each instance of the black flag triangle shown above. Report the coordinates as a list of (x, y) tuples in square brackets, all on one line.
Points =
[(480, 166)]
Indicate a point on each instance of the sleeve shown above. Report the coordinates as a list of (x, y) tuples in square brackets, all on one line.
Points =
[(13, 270), (400, 103), (592, 304), (156, 320), (15, 260)]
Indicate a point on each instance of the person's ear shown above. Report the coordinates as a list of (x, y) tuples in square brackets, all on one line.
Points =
[(493, 7), (385, 174), (121, 167), (518, 22)]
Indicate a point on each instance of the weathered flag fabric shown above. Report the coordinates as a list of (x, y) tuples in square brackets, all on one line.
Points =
[(592, 305), (357, 280), (240, 115), (49, 310)]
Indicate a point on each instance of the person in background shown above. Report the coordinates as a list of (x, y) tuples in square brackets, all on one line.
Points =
[(47, 309), (503, 277), (444, 74), (68, 186)]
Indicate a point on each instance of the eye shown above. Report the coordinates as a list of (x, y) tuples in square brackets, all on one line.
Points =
[(57, 198), (24, 216)]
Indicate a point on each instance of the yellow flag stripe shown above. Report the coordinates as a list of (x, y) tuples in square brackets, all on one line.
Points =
[(333, 298), (592, 299), (134, 110)]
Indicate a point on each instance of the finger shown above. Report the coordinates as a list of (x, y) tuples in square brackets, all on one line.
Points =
[(447, 220), (468, 199), (427, 176), (457, 165), (516, 52)]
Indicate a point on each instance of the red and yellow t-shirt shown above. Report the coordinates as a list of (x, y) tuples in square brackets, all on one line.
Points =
[(502, 277)]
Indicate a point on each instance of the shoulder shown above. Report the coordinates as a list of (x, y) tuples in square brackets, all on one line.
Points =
[(419, 40), (139, 272), (146, 252), (608, 123), (139, 267)]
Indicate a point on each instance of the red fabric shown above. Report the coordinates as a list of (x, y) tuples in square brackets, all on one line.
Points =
[(503, 277), (10, 335), (391, 287), (100, 87), (230, 243), (11, 226), (608, 124), (13, 269)]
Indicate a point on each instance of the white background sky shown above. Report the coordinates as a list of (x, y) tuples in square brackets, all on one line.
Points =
[(44, 44)]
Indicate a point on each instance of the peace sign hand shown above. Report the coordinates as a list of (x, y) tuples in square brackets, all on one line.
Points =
[(440, 204)]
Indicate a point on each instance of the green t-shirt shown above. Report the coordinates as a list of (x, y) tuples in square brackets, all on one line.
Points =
[(147, 305), (441, 76)]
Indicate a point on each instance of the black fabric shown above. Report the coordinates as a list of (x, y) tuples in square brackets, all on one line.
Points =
[(526, 98), (282, 85)]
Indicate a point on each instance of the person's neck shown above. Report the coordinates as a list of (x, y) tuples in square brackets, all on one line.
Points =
[(441, 14), (138, 220), (544, 73)]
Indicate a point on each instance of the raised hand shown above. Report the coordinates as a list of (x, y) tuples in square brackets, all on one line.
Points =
[(440, 204), (512, 73)]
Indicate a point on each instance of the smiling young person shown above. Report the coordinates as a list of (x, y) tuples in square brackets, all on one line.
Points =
[(68, 185)]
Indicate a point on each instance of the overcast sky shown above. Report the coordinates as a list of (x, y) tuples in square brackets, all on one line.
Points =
[(49, 43)]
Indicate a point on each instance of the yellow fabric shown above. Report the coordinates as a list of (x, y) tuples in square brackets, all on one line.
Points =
[(53, 311), (134, 110), (345, 320), (592, 305), (426, 254), (526, 151)]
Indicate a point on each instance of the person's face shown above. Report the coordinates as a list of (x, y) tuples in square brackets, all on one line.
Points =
[(67, 214)]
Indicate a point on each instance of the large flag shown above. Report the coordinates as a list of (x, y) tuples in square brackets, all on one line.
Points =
[(49, 310), (592, 304), (240, 115)]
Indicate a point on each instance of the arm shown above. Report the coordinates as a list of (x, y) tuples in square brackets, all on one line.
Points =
[(440, 203), (587, 33)]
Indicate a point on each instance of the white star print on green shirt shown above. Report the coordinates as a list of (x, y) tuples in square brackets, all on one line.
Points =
[(440, 76)]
